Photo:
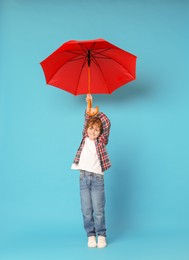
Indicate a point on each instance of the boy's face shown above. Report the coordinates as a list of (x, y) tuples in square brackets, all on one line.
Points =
[(93, 131)]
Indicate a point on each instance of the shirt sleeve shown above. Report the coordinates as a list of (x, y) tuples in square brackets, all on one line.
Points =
[(106, 124), (86, 117)]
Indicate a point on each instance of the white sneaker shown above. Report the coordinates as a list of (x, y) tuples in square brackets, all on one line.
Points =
[(101, 242), (92, 241)]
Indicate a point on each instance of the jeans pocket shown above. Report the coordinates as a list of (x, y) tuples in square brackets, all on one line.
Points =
[(99, 177)]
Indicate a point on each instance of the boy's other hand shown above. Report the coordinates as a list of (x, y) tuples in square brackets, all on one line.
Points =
[(89, 98)]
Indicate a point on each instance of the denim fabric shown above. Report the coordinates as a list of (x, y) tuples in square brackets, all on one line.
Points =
[(93, 203)]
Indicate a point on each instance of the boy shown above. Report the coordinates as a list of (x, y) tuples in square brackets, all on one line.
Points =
[(92, 160)]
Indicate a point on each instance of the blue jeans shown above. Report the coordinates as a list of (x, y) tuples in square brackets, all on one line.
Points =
[(93, 203)]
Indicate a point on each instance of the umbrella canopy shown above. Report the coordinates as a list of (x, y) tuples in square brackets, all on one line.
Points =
[(92, 66)]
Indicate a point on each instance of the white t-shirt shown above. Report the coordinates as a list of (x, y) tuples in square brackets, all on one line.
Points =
[(88, 159)]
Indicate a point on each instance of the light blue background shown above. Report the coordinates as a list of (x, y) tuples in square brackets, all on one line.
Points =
[(40, 130)]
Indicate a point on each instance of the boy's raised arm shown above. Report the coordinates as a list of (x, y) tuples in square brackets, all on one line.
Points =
[(106, 124)]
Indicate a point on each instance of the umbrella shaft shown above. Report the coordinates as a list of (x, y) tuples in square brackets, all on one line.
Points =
[(89, 80), (89, 71), (89, 57)]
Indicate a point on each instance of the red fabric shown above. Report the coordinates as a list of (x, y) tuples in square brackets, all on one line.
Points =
[(110, 67)]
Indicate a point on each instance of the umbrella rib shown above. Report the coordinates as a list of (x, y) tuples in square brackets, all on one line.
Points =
[(92, 46), (101, 56), (106, 57), (84, 62), (83, 47), (86, 49), (101, 51), (74, 59), (65, 64), (101, 72), (75, 51)]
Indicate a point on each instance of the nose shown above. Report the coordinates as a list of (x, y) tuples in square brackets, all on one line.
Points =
[(93, 131)]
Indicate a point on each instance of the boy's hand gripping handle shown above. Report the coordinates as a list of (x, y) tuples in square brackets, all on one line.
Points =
[(90, 110)]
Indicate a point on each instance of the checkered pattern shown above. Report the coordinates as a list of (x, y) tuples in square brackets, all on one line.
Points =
[(100, 142)]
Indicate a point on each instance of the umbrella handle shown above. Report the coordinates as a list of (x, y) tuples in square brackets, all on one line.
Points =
[(94, 111), (89, 106)]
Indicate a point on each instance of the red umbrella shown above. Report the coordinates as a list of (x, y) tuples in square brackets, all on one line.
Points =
[(93, 66)]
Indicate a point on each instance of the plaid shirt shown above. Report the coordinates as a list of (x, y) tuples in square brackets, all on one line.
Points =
[(100, 142)]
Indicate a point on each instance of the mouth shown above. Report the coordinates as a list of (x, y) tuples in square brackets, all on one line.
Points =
[(92, 135)]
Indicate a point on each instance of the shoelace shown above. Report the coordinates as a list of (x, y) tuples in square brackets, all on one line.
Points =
[(101, 239), (92, 239)]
